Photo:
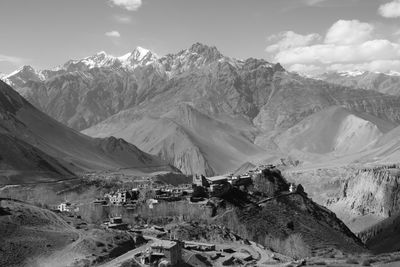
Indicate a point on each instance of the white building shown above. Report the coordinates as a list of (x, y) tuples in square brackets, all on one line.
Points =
[(118, 197), (65, 207)]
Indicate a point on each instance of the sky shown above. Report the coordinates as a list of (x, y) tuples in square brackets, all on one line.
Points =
[(307, 36)]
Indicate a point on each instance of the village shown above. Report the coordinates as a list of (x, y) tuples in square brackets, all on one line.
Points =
[(162, 248)]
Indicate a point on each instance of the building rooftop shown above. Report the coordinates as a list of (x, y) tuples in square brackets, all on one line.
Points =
[(217, 178), (198, 243), (164, 244)]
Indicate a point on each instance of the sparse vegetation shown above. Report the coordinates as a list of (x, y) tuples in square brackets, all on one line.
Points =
[(293, 246)]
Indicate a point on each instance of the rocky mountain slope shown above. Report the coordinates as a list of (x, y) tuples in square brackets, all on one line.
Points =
[(360, 196), (28, 232), (185, 137), (380, 82), (371, 194), (250, 103), (334, 129), (19, 160), (46, 145), (384, 236)]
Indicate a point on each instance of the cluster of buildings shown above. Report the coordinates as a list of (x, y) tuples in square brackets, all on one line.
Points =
[(169, 252), (121, 197), (219, 184), (171, 193)]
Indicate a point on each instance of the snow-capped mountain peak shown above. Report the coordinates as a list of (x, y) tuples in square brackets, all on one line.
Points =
[(140, 52), (101, 59), (139, 56), (19, 76)]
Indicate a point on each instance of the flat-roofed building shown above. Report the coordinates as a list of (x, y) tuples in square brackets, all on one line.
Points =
[(217, 180), (172, 250), (199, 246)]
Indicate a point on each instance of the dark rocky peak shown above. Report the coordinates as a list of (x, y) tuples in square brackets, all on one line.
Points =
[(209, 52), (278, 67), (254, 63)]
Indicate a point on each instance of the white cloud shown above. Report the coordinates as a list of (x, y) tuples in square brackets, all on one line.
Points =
[(390, 10), (131, 5), (11, 59), (349, 32), (332, 53), (289, 39), (302, 68), (122, 19), (113, 34), (347, 44)]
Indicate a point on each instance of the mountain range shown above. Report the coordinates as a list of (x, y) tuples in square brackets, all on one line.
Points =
[(387, 83), (36, 148), (207, 113)]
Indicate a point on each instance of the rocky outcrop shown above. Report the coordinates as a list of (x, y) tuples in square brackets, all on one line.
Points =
[(371, 191), (282, 223)]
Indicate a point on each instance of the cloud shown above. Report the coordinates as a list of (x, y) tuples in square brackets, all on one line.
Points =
[(12, 60), (390, 10), (313, 2), (289, 39), (131, 5), (349, 32), (122, 19), (332, 53), (302, 68), (347, 44), (385, 66), (113, 34)]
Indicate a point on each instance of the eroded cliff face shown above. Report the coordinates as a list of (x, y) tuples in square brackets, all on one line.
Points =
[(371, 191), (360, 197)]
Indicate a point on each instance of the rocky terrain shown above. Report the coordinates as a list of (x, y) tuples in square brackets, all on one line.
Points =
[(371, 194), (34, 144), (281, 222), (254, 106), (360, 196), (383, 237), (32, 236)]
